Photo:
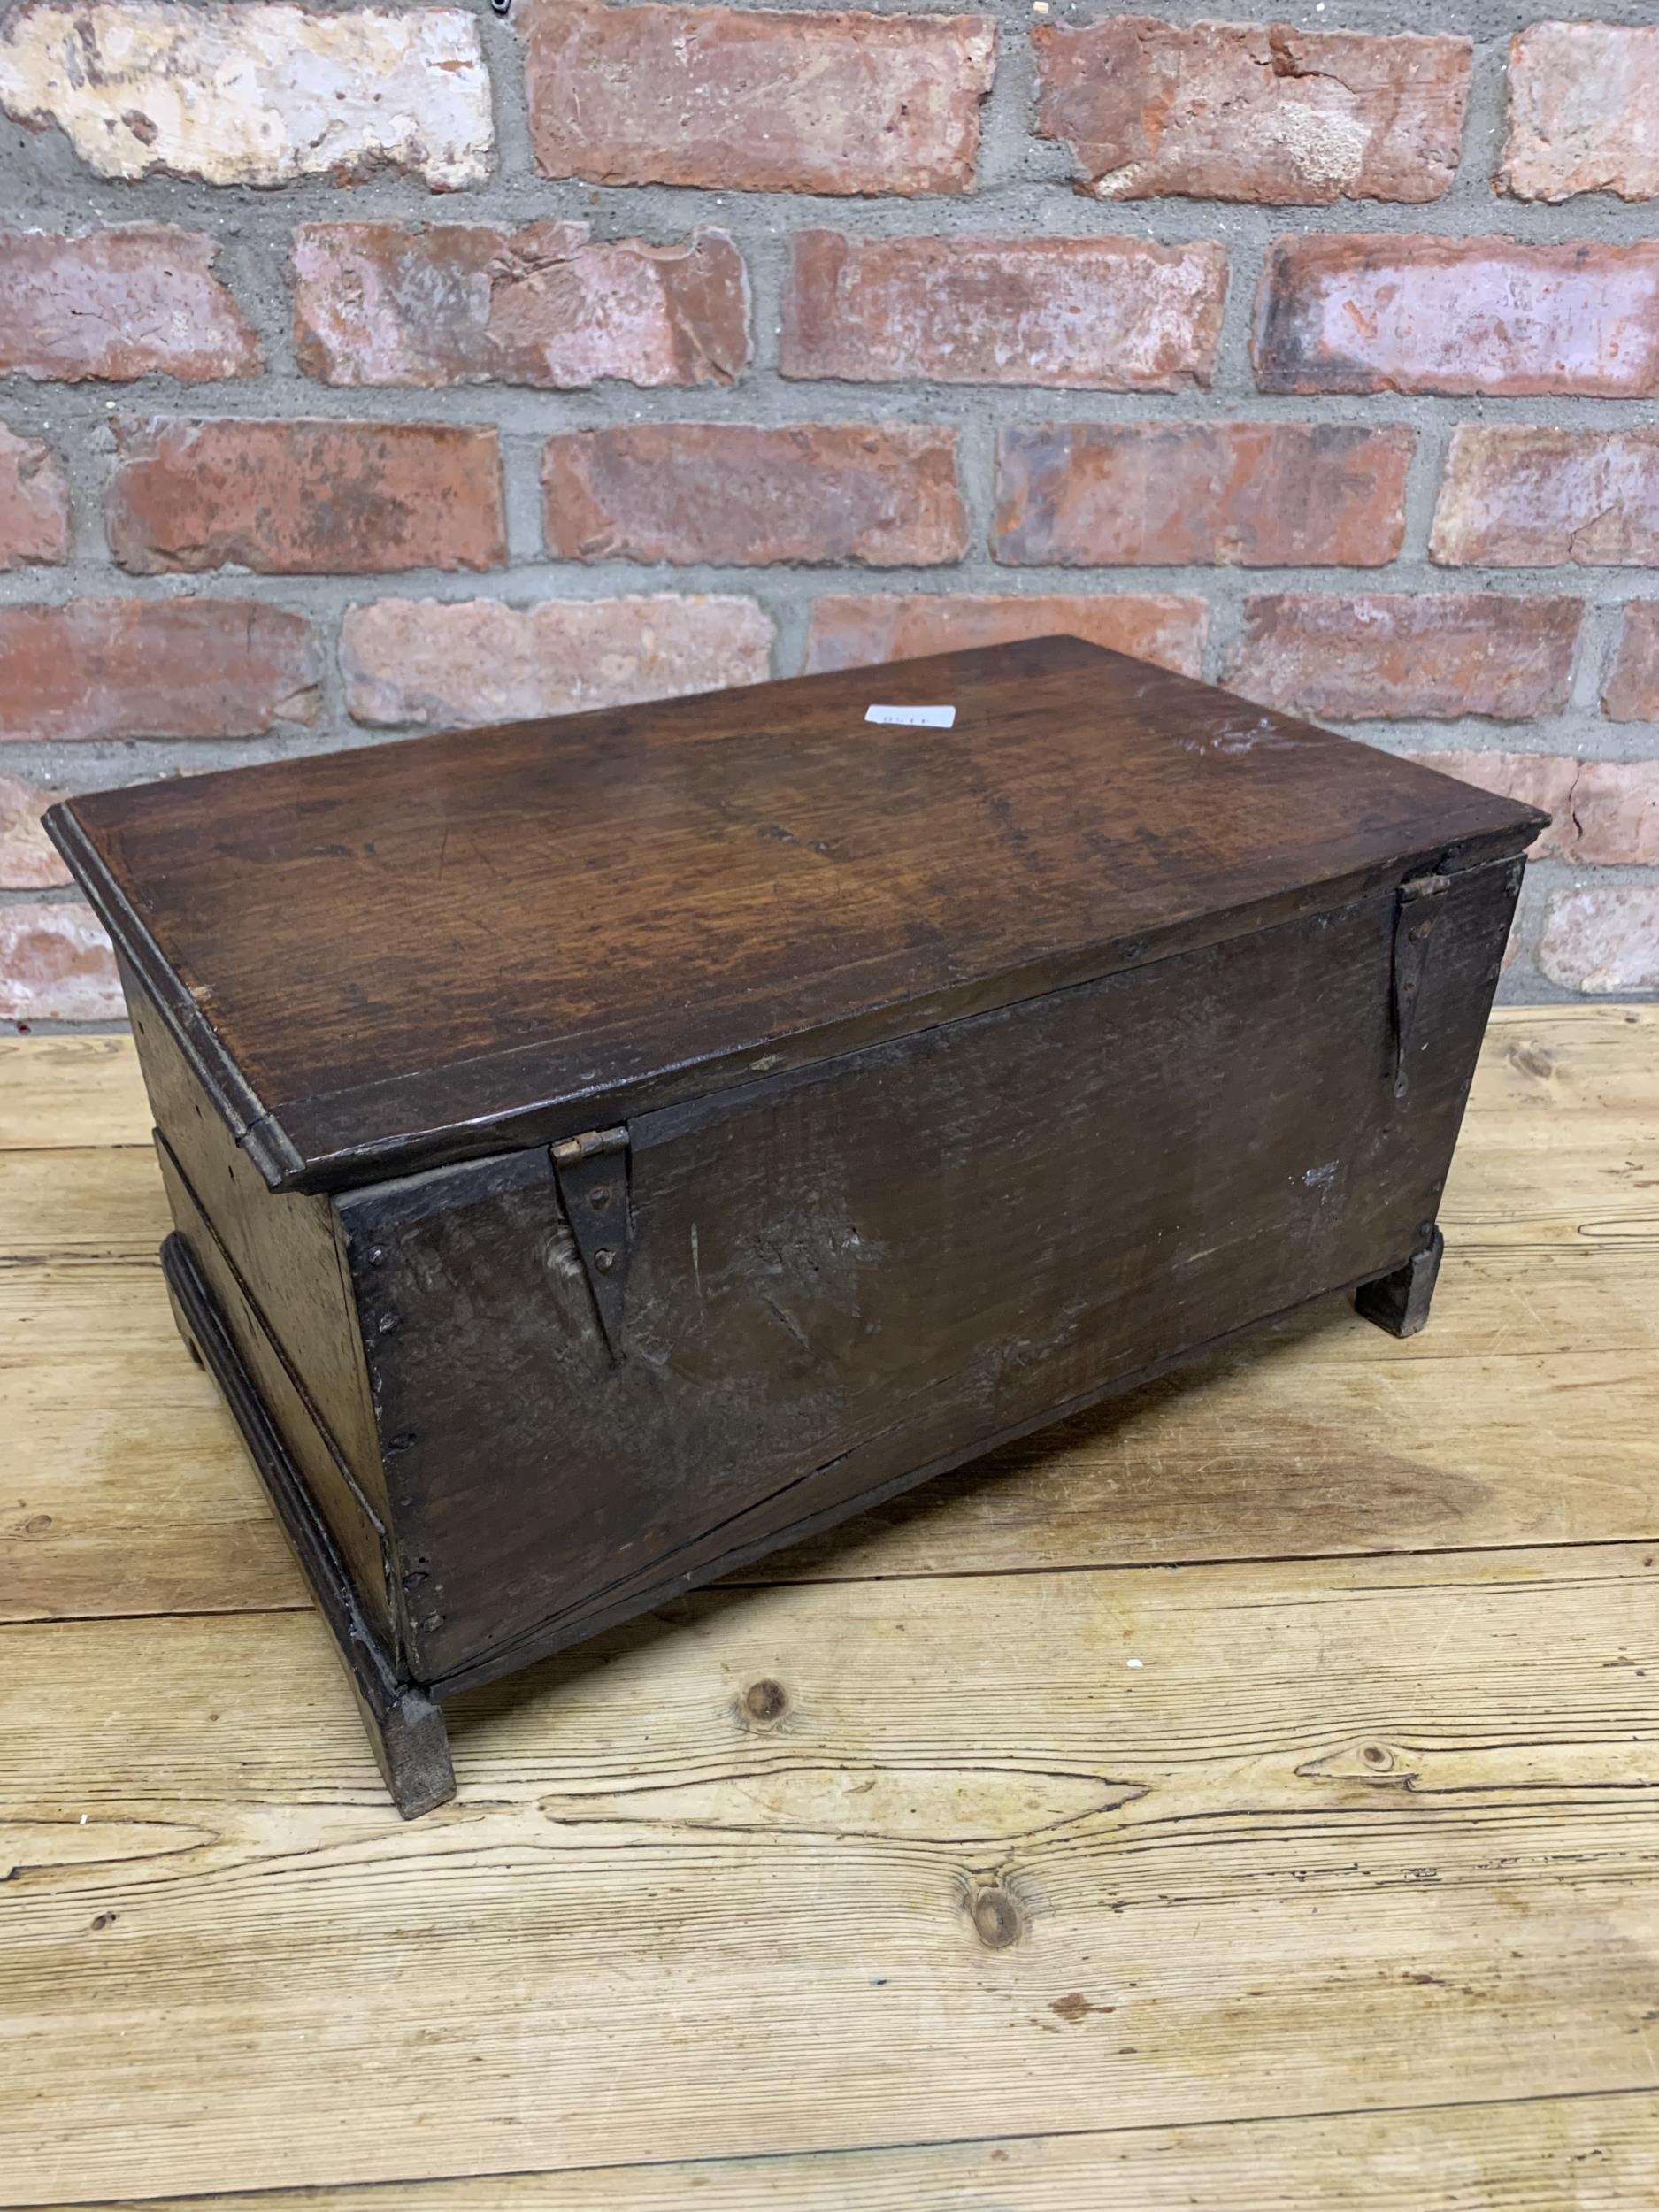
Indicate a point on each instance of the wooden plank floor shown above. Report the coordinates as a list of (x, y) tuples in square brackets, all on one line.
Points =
[(1242, 1797)]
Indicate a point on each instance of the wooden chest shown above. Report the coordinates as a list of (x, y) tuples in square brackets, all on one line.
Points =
[(604, 1150)]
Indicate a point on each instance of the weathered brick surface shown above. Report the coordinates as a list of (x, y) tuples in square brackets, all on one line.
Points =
[(1583, 99), (138, 300), (757, 100), (659, 402), (34, 502), (251, 93), (56, 965), (1632, 686), (412, 661), (1381, 314), (849, 630), (884, 496), (1394, 654), (1613, 813), (1518, 495), (1245, 495), (855, 631), (29, 859), (1252, 111), (132, 668), (1605, 812), (304, 498), (1603, 938), (1114, 313), (476, 303)]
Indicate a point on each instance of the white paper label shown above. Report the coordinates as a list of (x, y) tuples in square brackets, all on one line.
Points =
[(914, 717)]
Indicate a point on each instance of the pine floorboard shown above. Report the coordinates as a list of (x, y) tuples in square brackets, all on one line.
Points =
[(1245, 1795)]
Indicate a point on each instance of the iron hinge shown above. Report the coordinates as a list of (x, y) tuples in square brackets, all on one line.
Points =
[(1415, 925), (592, 1174)]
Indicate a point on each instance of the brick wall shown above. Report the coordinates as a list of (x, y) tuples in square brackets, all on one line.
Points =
[(368, 371)]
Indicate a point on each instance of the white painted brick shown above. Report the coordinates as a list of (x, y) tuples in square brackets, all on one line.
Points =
[(253, 94)]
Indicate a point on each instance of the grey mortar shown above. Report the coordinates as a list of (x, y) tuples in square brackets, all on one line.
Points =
[(1024, 191)]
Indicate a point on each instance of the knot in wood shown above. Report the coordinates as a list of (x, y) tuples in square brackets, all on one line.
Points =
[(766, 1701), (996, 1918)]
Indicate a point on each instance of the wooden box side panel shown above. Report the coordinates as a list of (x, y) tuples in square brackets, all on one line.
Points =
[(842, 1277), (276, 1266), (287, 1249), (360, 1536)]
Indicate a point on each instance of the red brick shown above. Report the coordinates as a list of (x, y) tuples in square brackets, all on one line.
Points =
[(1252, 110), (1614, 809), (28, 860), (757, 100), (304, 498), (1582, 102), (1379, 314), (884, 495), (1245, 495), (125, 668), (850, 631), (1517, 496), (413, 661), (56, 965), (140, 301), (34, 502), (1603, 938), (475, 303), (1117, 314), (1399, 656), (1633, 688)]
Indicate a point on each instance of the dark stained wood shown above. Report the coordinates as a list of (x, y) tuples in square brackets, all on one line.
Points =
[(287, 1257), (400, 955), (276, 1267), (405, 1728), (846, 1279), (358, 1535), (603, 1152), (1400, 1301)]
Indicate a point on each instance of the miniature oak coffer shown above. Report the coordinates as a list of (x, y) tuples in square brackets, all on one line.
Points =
[(602, 1150)]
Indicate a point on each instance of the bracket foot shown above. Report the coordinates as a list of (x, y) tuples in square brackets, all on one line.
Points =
[(1400, 1303)]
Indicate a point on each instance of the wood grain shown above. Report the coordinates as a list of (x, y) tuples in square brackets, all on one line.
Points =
[(102, 1202), (70, 1090), (845, 1279), (1350, 1833), (126, 1489), (1530, 2155), (1567, 1059), (1343, 1897), (1520, 1184)]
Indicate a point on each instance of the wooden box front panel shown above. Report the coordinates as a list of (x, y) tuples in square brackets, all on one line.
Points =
[(845, 1277)]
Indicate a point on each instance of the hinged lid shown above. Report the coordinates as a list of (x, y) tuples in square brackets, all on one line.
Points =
[(386, 957)]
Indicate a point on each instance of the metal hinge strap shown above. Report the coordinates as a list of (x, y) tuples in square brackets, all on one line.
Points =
[(1415, 924), (591, 1171), (569, 1151)]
